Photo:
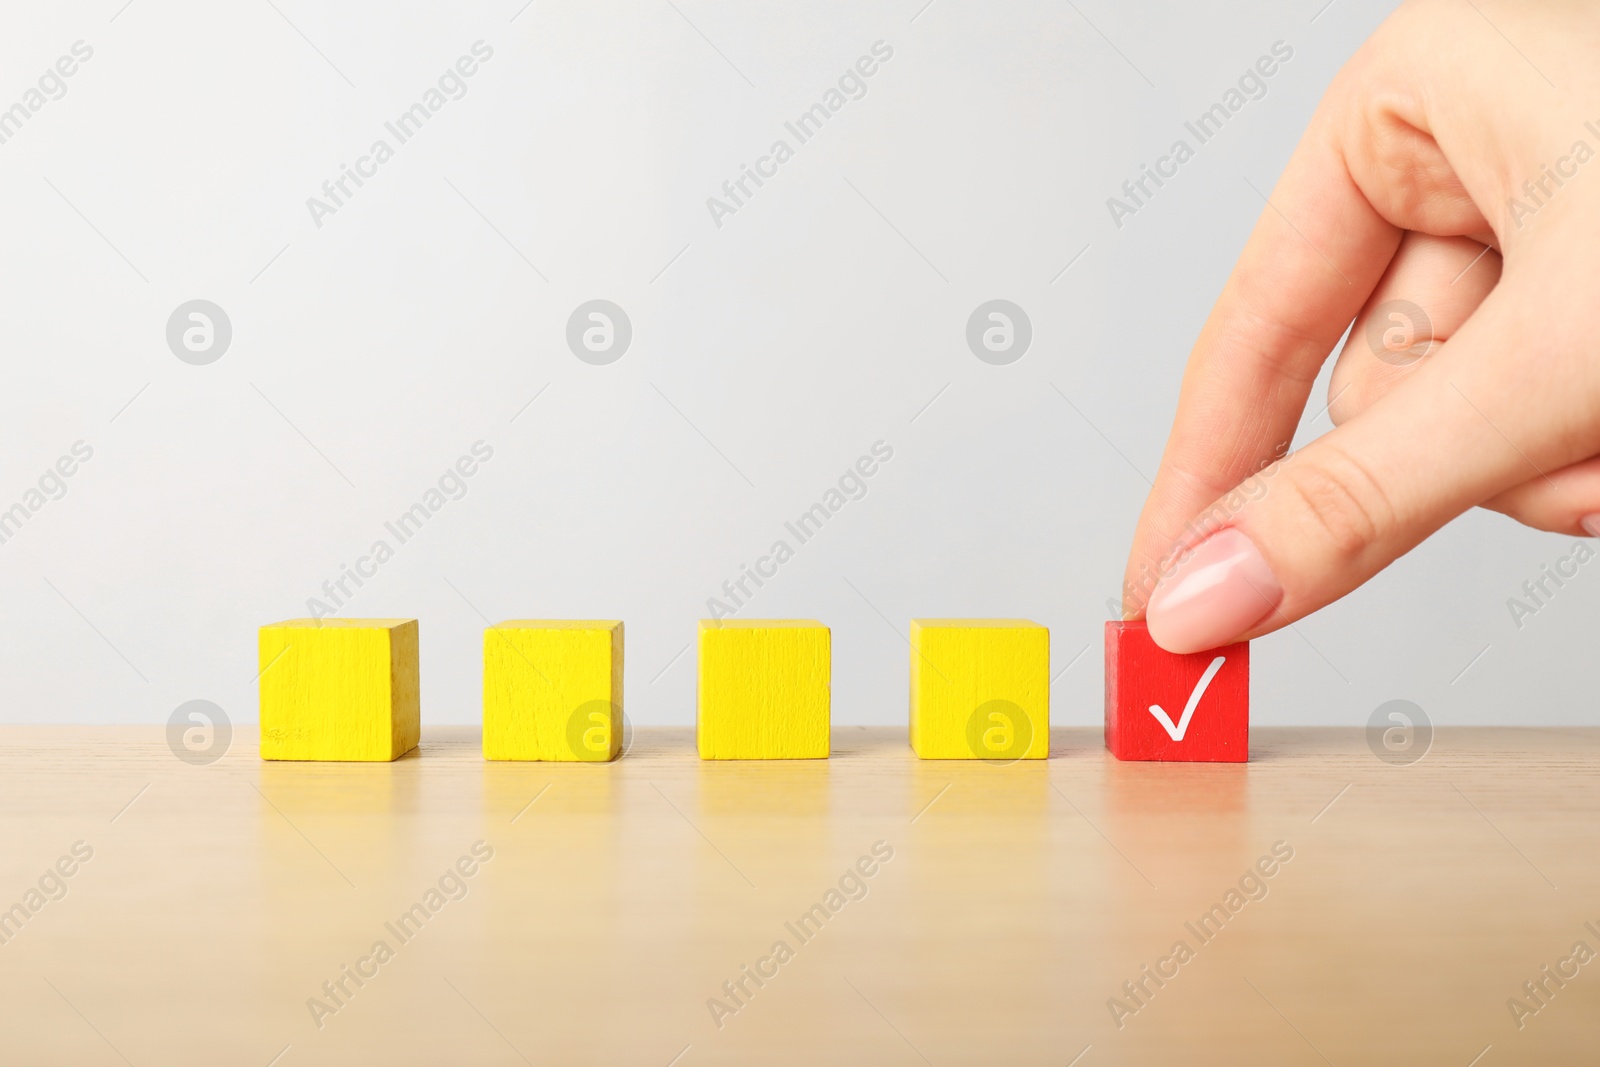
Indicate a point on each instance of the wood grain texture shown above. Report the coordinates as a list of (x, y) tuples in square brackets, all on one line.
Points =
[(339, 689), (1140, 674), (980, 689), (764, 689), (552, 690), (218, 899)]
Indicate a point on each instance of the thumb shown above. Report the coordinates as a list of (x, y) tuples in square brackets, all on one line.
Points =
[(1314, 526)]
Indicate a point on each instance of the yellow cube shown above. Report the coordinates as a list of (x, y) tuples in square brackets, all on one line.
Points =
[(339, 689), (764, 689), (980, 689), (552, 690)]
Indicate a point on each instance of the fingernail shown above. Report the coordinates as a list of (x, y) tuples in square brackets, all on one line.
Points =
[(1591, 525), (1218, 591)]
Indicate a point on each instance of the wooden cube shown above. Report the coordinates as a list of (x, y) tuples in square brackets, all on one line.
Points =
[(980, 689), (339, 689), (1187, 709), (764, 689), (552, 690)]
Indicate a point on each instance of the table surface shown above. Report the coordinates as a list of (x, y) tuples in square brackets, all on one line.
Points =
[(621, 897)]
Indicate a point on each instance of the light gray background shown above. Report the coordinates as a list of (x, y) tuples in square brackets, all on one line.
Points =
[(824, 316)]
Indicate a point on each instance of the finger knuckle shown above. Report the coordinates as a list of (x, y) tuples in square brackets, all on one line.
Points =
[(1343, 501)]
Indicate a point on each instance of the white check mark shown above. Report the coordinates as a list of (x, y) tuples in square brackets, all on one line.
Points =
[(1177, 732)]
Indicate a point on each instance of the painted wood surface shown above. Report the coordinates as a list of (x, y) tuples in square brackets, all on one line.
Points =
[(1159, 706), (764, 689), (339, 689), (552, 690), (980, 689)]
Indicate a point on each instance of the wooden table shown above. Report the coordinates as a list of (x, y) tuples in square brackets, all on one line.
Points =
[(619, 898)]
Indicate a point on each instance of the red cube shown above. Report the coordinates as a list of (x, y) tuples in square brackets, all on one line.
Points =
[(1182, 709)]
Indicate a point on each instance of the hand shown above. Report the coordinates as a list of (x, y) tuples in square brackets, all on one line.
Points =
[(1453, 169)]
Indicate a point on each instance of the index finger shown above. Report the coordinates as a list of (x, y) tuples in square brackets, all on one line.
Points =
[(1316, 253)]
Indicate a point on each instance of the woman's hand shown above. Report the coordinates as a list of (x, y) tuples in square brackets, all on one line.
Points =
[(1446, 198)]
